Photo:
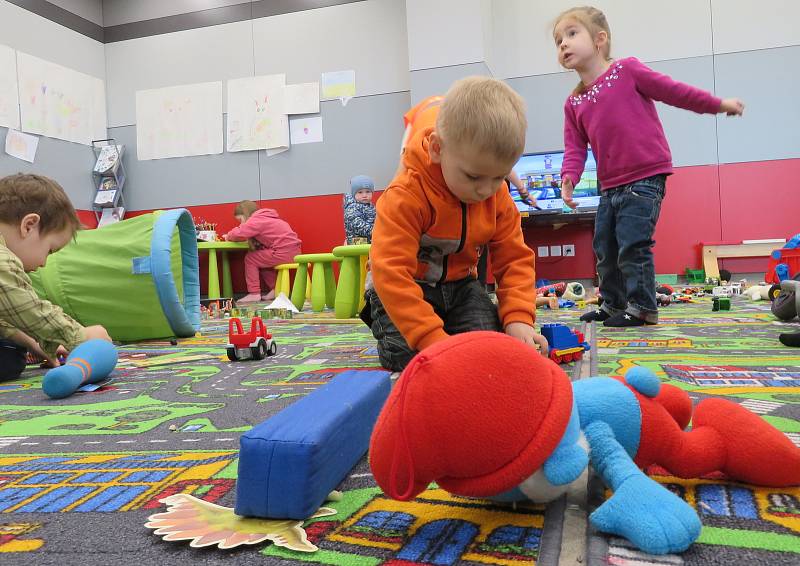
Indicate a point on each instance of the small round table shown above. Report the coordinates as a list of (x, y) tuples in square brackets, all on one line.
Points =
[(213, 272)]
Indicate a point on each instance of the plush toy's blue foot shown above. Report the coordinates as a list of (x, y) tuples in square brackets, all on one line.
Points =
[(90, 362), (641, 510)]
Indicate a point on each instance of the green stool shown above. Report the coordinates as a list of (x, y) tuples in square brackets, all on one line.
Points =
[(323, 282), (351, 283), (282, 281)]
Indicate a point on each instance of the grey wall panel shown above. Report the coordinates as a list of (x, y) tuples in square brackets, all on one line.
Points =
[(768, 81), (691, 136), (118, 12), (68, 163), (545, 96), (186, 181), (360, 138), (428, 82)]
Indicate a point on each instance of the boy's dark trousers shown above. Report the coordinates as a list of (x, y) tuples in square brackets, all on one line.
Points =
[(463, 306), (623, 244), (12, 360)]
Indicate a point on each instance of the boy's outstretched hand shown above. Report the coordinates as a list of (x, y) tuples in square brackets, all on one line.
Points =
[(732, 107), (528, 335)]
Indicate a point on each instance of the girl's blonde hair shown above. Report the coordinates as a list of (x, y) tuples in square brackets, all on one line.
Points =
[(594, 21), (245, 208)]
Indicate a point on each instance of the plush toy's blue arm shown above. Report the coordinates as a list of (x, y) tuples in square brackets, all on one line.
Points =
[(641, 510)]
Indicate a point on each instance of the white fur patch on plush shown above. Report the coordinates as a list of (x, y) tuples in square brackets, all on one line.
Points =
[(539, 490)]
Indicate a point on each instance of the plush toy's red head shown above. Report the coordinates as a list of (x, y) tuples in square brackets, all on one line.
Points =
[(477, 425)]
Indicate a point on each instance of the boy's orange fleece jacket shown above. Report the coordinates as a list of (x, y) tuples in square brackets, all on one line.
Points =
[(424, 233)]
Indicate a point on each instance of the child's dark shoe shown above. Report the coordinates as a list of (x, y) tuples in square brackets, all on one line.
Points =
[(623, 319), (791, 339), (598, 315)]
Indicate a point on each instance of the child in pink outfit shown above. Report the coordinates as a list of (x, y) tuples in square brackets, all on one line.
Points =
[(272, 242), (612, 110)]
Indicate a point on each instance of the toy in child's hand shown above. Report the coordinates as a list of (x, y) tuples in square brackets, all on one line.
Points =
[(565, 345), (90, 362), (536, 433)]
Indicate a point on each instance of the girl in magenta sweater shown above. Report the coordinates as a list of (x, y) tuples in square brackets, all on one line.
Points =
[(612, 110), (272, 242)]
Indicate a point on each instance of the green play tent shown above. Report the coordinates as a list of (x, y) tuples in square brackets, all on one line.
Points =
[(139, 278)]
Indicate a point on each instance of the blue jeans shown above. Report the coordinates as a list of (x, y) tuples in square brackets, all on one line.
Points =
[(462, 305), (623, 244)]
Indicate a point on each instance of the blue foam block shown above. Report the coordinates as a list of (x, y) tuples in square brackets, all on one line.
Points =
[(291, 462)]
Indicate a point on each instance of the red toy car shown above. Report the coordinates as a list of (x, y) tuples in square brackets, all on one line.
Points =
[(256, 345)]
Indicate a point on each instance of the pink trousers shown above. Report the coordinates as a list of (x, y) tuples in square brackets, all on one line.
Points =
[(259, 267)]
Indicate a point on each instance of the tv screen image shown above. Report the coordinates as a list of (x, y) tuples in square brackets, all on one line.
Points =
[(541, 174)]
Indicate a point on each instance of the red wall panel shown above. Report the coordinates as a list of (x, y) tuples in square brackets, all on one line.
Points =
[(87, 218), (760, 200)]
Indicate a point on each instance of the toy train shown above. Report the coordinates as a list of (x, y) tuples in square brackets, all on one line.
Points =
[(565, 345), (254, 345)]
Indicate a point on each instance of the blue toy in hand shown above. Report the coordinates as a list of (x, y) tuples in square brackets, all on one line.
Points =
[(90, 362)]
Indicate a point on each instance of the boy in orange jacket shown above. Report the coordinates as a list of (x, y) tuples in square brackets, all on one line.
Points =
[(447, 202)]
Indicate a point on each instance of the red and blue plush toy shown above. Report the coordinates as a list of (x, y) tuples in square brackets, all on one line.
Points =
[(484, 416)]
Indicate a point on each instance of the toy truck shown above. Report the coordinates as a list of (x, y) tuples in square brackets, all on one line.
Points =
[(565, 345), (254, 345)]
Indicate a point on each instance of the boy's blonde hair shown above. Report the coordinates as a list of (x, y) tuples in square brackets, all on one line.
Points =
[(24, 194), (245, 208), (485, 113), (594, 21)]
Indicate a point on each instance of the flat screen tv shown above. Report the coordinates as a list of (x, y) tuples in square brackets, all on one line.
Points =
[(541, 173)]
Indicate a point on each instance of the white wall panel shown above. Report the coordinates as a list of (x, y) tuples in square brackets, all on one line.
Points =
[(32, 34), (185, 57), (742, 25), (445, 32), (651, 30), (369, 37), (487, 23)]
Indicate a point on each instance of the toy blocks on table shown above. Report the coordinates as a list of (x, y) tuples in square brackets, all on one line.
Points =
[(289, 463)]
